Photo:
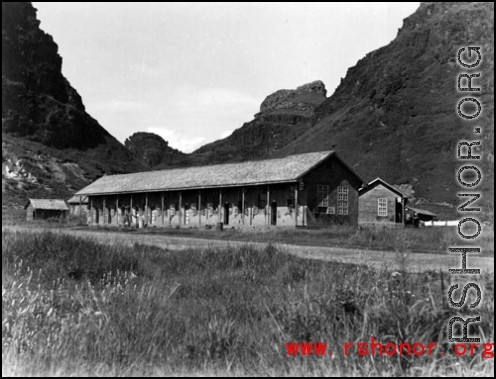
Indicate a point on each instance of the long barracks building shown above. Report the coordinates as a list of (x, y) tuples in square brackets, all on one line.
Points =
[(313, 189)]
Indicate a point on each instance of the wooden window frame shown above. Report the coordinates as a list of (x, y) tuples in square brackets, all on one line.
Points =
[(343, 198), (382, 207)]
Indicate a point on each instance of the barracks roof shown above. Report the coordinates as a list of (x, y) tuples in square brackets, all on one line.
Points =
[(288, 169)]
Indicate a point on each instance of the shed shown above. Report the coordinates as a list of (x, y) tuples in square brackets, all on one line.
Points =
[(415, 215), (381, 203), (43, 209)]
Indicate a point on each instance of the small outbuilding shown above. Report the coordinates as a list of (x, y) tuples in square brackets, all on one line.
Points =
[(44, 209), (381, 203), (416, 215)]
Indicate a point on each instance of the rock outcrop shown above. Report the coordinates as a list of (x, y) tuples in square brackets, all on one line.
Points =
[(154, 151), (283, 117), (305, 97)]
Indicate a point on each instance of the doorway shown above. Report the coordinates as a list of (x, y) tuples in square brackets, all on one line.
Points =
[(399, 211), (226, 214), (273, 213)]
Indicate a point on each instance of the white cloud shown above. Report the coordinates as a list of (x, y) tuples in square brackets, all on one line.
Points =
[(119, 106), (226, 134), (213, 100), (191, 116), (177, 140)]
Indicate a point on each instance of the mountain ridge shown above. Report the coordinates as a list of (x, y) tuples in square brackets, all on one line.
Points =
[(392, 116), (394, 113)]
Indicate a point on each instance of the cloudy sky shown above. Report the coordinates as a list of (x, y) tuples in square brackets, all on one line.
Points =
[(194, 72)]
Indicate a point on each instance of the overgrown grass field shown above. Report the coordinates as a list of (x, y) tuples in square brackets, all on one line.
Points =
[(427, 240), (72, 306)]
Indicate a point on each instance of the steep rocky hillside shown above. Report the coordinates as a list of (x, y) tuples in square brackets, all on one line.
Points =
[(50, 146), (394, 114), (31, 169)]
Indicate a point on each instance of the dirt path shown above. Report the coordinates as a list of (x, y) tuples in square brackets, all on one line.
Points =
[(379, 259)]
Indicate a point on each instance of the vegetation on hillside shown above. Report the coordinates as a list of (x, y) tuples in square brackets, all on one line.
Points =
[(33, 170)]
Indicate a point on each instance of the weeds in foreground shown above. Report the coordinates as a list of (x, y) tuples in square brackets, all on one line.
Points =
[(74, 306), (428, 239)]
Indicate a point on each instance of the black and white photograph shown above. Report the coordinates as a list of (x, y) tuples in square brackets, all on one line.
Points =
[(247, 189)]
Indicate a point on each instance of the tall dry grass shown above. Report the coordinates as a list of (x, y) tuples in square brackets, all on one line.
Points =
[(74, 306), (429, 239)]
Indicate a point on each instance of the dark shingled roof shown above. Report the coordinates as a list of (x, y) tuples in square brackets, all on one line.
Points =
[(48, 204), (283, 170), (375, 183)]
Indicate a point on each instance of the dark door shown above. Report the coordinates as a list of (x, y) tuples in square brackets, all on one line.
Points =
[(399, 212), (273, 213), (226, 214)]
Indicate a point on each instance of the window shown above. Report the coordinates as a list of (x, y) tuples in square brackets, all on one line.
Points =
[(262, 198), (343, 190), (342, 207), (327, 210), (382, 207), (342, 200), (291, 192), (290, 197), (323, 195)]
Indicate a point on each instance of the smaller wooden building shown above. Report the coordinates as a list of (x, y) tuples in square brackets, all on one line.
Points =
[(381, 203), (44, 209)]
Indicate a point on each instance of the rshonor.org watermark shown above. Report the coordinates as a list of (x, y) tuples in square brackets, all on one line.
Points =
[(378, 348), (468, 59)]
